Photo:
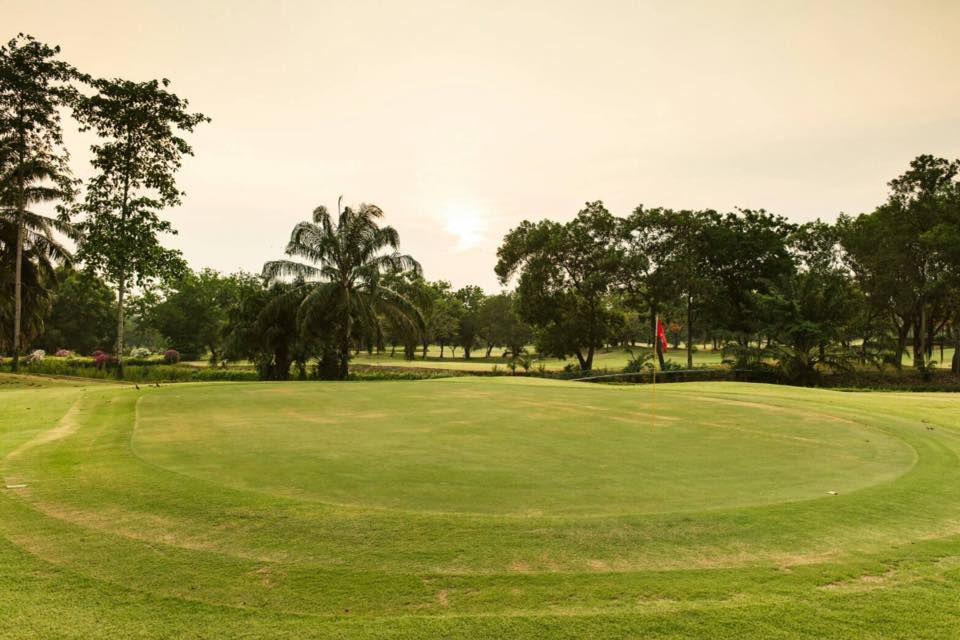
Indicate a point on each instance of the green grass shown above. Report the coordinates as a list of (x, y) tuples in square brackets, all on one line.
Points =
[(476, 507), (611, 359)]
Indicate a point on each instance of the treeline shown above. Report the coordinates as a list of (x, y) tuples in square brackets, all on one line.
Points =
[(803, 298), (768, 293)]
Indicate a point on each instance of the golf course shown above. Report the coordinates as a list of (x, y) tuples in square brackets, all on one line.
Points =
[(476, 507)]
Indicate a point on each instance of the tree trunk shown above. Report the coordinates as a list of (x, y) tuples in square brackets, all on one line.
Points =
[(955, 364), (920, 346), (689, 331), (902, 331), (584, 366), (489, 350), (121, 292), (18, 295), (344, 370)]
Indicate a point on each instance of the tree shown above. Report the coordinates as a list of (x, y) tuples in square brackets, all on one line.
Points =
[(671, 244), (38, 253), (501, 325), (33, 161), (746, 255), (904, 253), (193, 315), (343, 277), (81, 318), (439, 317), (262, 326), (140, 125), (567, 273), (471, 299)]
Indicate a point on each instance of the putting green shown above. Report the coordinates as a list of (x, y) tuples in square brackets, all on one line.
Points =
[(476, 507), (510, 447)]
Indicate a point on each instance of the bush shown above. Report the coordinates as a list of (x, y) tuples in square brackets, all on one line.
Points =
[(639, 362), (64, 353), (101, 360), (36, 356), (139, 352), (171, 356)]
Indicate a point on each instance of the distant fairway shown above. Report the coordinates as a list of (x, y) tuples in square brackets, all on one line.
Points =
[(613, 359), (476, 507)]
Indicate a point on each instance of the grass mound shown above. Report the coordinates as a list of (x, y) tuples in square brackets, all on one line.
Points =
[(477, 507)]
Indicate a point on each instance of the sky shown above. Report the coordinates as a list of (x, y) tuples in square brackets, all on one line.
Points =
[(461, 119)]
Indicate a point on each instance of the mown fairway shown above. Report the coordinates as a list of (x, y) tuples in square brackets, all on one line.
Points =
[(474, 507)]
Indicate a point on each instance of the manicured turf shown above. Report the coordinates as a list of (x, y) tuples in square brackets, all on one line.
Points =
[(476, 507), (606, 359)]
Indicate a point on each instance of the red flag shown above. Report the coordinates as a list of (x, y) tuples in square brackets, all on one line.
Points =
[(661, 335)]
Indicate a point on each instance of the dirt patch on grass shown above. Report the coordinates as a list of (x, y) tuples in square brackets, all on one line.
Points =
[(64, 427)]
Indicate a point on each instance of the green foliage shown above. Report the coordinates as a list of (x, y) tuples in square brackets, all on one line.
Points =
[(904, 254), (139, 151), (192, 317), (34, 88), (81, 317), (566, 275), (470, 300), (262, 327), (501, 325), (342, 285)]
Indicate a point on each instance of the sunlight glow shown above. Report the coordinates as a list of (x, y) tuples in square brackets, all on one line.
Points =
[(466, 223)]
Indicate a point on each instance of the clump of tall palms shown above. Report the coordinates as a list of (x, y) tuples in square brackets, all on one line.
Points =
[(344, 275)]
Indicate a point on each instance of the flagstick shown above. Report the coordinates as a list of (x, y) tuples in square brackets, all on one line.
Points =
[(653, 392)]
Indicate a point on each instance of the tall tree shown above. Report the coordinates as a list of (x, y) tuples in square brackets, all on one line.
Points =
[(34, 85), (343, 277), (745, 254), (502, 326), (141, 149), (39, 253), (471, 300), (673, 244), (567, 273), (904, 252)]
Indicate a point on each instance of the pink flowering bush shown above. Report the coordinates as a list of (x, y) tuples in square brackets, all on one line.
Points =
[(171, 356), (101, 359), (64, 353)]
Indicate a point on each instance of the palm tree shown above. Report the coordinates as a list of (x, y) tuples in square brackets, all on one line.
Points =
[(32, 244), (345, 276), (28, 249)]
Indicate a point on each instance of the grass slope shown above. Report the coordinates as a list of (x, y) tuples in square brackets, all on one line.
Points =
[(476, 508)]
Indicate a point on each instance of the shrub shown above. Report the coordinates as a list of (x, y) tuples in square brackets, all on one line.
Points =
[(139, 352), (101, 359), (171, 356), (64, 353), (36, 355), (639, 362)]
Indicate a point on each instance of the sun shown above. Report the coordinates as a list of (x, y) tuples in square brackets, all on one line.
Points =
[(466, 222)]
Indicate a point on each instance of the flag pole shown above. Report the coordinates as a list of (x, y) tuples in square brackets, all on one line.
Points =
[(653, 392)]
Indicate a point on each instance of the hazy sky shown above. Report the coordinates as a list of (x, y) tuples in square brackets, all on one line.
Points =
[(462, 118)]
